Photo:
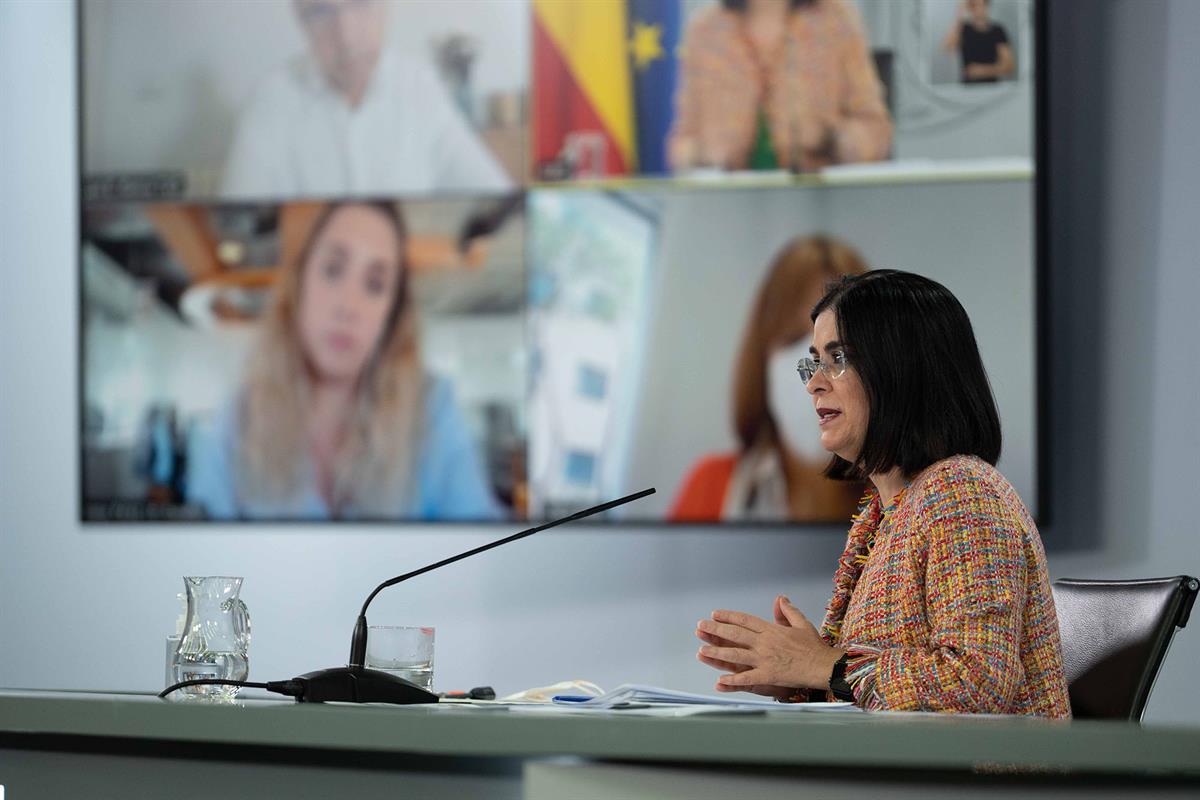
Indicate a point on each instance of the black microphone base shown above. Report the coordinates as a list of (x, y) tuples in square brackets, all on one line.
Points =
[(359, 685)]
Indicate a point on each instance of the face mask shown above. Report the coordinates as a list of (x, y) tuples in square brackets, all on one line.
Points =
[(791, 405)]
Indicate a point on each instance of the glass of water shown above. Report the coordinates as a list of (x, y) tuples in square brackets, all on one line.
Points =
[(401, 651)]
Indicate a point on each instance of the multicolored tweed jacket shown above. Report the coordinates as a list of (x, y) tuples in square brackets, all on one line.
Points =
[(943, 600)]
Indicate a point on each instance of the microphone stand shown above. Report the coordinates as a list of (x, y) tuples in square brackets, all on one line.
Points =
[(355, 683)]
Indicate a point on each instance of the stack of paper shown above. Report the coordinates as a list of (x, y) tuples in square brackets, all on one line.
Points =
[(633, 693)]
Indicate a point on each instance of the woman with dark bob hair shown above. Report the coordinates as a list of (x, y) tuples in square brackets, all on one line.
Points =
[(941, 599)]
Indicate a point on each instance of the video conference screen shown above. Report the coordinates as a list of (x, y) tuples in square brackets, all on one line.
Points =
[(498, 260)]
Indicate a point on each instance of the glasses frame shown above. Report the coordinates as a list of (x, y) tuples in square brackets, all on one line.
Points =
[(833, 368)]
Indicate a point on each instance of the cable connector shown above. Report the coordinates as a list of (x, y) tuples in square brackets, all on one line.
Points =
[(292, 688)]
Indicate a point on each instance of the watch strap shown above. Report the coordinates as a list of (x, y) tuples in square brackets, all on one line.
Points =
[(837, 680)]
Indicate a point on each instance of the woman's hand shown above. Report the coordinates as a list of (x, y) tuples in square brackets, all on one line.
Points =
[(765, 657), (764, 689), (681, 153), (977, 71), (815, 134)]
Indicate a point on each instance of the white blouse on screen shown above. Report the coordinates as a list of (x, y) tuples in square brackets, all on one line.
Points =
[(298, 137)]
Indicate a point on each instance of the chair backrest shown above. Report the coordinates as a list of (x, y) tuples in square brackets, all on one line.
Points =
[(883, 60), (1115, 635)]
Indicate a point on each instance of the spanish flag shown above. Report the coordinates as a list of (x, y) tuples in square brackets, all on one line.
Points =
[(582, 89)]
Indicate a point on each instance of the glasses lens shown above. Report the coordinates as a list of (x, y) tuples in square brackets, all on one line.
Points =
[(836, 367), (807, 368)]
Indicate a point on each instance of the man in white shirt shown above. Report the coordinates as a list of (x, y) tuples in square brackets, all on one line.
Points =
[(351, 116)]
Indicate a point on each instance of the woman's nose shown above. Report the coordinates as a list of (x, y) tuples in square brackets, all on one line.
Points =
[(346, 306)]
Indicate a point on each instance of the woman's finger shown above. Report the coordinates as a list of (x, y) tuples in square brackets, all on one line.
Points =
[(764, 689), (717, 640), (730, 633), (724, 666), (780, 617), (793, 615), (741, 680), (735, 655), (741, 619)]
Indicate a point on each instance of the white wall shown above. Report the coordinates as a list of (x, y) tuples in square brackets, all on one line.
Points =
[(87, 607), (1125, 158)]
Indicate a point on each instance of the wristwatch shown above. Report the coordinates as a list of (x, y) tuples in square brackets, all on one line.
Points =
[(837, 680)]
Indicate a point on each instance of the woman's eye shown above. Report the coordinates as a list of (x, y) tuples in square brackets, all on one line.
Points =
[(376, 282), (838, 357), (332, 270)]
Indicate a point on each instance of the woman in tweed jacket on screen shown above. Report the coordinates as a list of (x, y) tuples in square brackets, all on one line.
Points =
[(941, 599)]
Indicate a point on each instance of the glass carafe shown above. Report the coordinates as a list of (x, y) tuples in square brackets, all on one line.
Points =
[(216, 637)]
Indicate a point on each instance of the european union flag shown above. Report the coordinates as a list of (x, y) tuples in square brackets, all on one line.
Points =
[(653, 45)]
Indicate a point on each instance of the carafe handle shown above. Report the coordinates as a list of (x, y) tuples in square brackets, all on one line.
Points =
[(241, 622)]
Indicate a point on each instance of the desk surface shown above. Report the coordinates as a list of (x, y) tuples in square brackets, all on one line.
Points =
[(783, 738)]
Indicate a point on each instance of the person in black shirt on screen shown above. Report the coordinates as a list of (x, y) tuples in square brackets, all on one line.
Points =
[(981, 43)]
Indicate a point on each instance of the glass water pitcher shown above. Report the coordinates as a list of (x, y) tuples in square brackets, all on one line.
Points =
[(216, 637)]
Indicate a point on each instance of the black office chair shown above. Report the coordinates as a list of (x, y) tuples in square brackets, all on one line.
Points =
[(883, 60), (1115, 635)]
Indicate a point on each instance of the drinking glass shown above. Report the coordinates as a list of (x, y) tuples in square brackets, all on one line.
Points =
[(402, 651)]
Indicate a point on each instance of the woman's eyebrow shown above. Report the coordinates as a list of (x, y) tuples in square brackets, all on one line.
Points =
[(828, 347), (336, 248)]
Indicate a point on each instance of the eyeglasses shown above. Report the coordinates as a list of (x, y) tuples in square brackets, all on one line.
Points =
[(834, 368)]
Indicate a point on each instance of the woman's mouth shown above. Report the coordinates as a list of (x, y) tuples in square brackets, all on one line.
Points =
[(340, 341), (827, 415)]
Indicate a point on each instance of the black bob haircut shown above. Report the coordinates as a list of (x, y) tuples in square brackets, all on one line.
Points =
[(910, 342)]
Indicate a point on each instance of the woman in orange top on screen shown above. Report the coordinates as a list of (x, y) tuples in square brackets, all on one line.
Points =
[(941, 599), (776, 475), (777, 84)]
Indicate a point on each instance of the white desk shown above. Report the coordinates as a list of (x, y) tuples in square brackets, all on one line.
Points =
[(57, 744)]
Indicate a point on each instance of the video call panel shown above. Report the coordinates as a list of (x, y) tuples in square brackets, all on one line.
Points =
[(469, 261)]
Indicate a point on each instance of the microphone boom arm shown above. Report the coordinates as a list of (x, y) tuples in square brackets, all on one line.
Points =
[(358, 642)]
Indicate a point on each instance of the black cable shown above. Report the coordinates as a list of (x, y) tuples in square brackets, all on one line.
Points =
[(211, 682), (290, 688)]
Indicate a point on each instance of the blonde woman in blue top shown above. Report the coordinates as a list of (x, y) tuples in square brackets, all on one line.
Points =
[(336, 417)]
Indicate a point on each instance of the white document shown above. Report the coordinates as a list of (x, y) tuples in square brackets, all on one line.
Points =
[(632, 693)]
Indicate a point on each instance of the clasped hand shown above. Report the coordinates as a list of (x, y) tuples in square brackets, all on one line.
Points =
[(771, 659)]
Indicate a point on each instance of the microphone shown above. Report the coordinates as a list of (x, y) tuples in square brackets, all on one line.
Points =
[(355, 683)]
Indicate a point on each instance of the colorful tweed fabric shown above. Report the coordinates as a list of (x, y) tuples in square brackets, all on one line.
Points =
[(822, 71), (943, 601)]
